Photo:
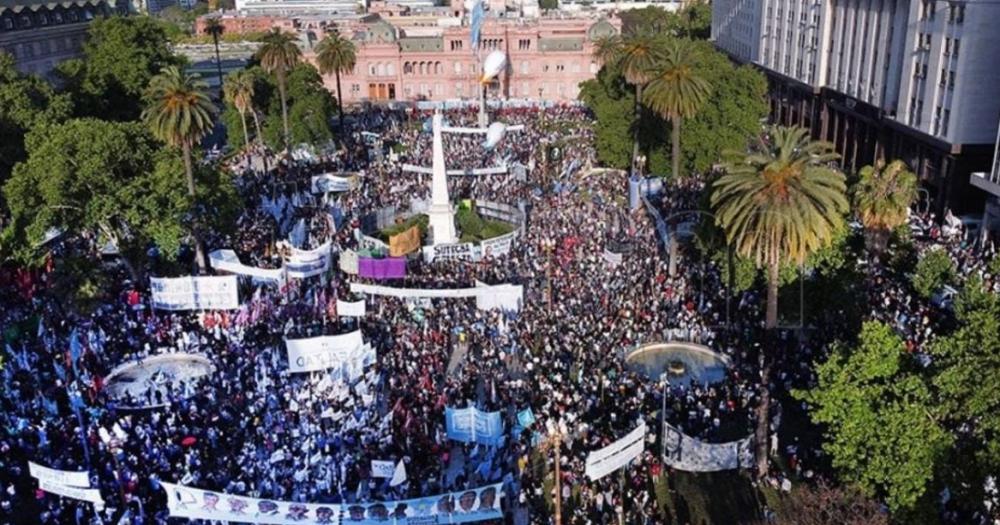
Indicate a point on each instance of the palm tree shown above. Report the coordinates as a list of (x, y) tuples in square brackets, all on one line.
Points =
[(278, 54), (336, 54), (777, 204), (238, 89), (636, 53), (676, 92), (180, 113), (214, 28), (882, 200)]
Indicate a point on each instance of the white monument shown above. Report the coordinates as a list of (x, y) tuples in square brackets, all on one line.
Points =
[(441, 212)]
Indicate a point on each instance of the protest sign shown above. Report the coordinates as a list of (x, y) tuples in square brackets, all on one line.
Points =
[(351, 309), (473, 425), (382, 469), (195, 293), (405, 242), (602, 462), (321, 353), (69, 478)]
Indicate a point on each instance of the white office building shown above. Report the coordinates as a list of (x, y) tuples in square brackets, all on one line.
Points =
[(911, 79)]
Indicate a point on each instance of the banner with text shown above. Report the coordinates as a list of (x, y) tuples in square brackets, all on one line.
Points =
[(382, 469), (497, 246), (69, 478), (77, 493), (503, 296), (195, 293), (328, 183), (228, 261), (321, 353), (470, 425), (602, 462)]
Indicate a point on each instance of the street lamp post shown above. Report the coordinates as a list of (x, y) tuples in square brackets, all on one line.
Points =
[(556, 433), (548, 245)]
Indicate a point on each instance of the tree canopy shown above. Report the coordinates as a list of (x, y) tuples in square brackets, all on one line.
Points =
[(120, 56), (876, 408)]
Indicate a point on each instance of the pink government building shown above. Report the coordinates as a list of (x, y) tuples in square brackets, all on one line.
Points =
[(546, 59)]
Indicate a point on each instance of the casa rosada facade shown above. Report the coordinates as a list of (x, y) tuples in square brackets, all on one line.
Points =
[(547, 60)]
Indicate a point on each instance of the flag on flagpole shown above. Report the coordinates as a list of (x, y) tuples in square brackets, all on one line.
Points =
[(399, 476)]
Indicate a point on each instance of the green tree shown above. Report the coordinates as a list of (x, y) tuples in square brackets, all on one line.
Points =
[(310, 106), (120, 56), (336, 54), (263, 97), (966, 375), (694, 21), (179, 113), (778, 203), (875, 405), (214, 29), (731, 115), (934, 270), (91, 177), (26, 102), (238, 90), (278, 54), (635, 54), (882, 200), (676, 92)]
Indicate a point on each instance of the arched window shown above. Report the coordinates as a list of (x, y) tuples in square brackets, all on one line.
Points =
[(390, 69), (381, 69), (437, 68), (407, 68), (372, 70)]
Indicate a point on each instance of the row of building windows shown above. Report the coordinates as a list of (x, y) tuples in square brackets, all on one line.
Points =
[(41, 48), (28, 20), (388, 69), (956, 11), (524, 89)]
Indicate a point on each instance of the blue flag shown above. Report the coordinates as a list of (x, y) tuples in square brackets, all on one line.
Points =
[(525, 417), (476, 23)]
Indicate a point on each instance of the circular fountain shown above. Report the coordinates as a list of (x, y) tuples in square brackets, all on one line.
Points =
[(682, 362), (136, 384)]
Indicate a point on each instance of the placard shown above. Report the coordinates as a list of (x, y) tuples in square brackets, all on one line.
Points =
[(195, 293), (602, 462), (382, 469)]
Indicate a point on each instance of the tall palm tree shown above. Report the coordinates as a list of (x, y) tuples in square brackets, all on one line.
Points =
[(336, 54), (278, 54), (778, 203), (882, 200), (636, 53), (179, 112), (676, 92), (214, 28), (238, 89)]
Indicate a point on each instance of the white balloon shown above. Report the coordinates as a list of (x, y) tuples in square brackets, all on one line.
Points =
[(494, 134), (469, 4), (493, 65)]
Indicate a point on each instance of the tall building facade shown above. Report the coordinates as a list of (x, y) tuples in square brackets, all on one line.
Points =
[(908, 79), (41, 35)]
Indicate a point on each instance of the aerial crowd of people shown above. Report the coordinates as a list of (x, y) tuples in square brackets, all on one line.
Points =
[(248, 427)]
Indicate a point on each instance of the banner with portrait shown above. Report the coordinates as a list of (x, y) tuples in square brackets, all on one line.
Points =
[(497, 246), (405, 242), (321, 353), (195, 293), (329, 183), (466, 506)]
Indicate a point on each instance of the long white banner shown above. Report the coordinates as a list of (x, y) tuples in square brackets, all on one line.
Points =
[(602, 462), (457, 507), (328, 182), (228, 261), (91, 495), (686, 453), (195, 293), (69, 478), (503, 296), (321, 353)]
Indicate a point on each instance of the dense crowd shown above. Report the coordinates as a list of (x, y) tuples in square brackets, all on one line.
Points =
[(251, 428)]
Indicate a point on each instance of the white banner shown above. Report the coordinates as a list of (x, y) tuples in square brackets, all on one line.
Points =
[(302, 264), (612, 258), (465, 251), (602, 462), (321, 353), (328, 182), (383, 469), (496, 170), (467, 506), (91, 495), (195, 293), (228, 261), (69, 478), (351, 309), (349, 262), (504, 296)]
